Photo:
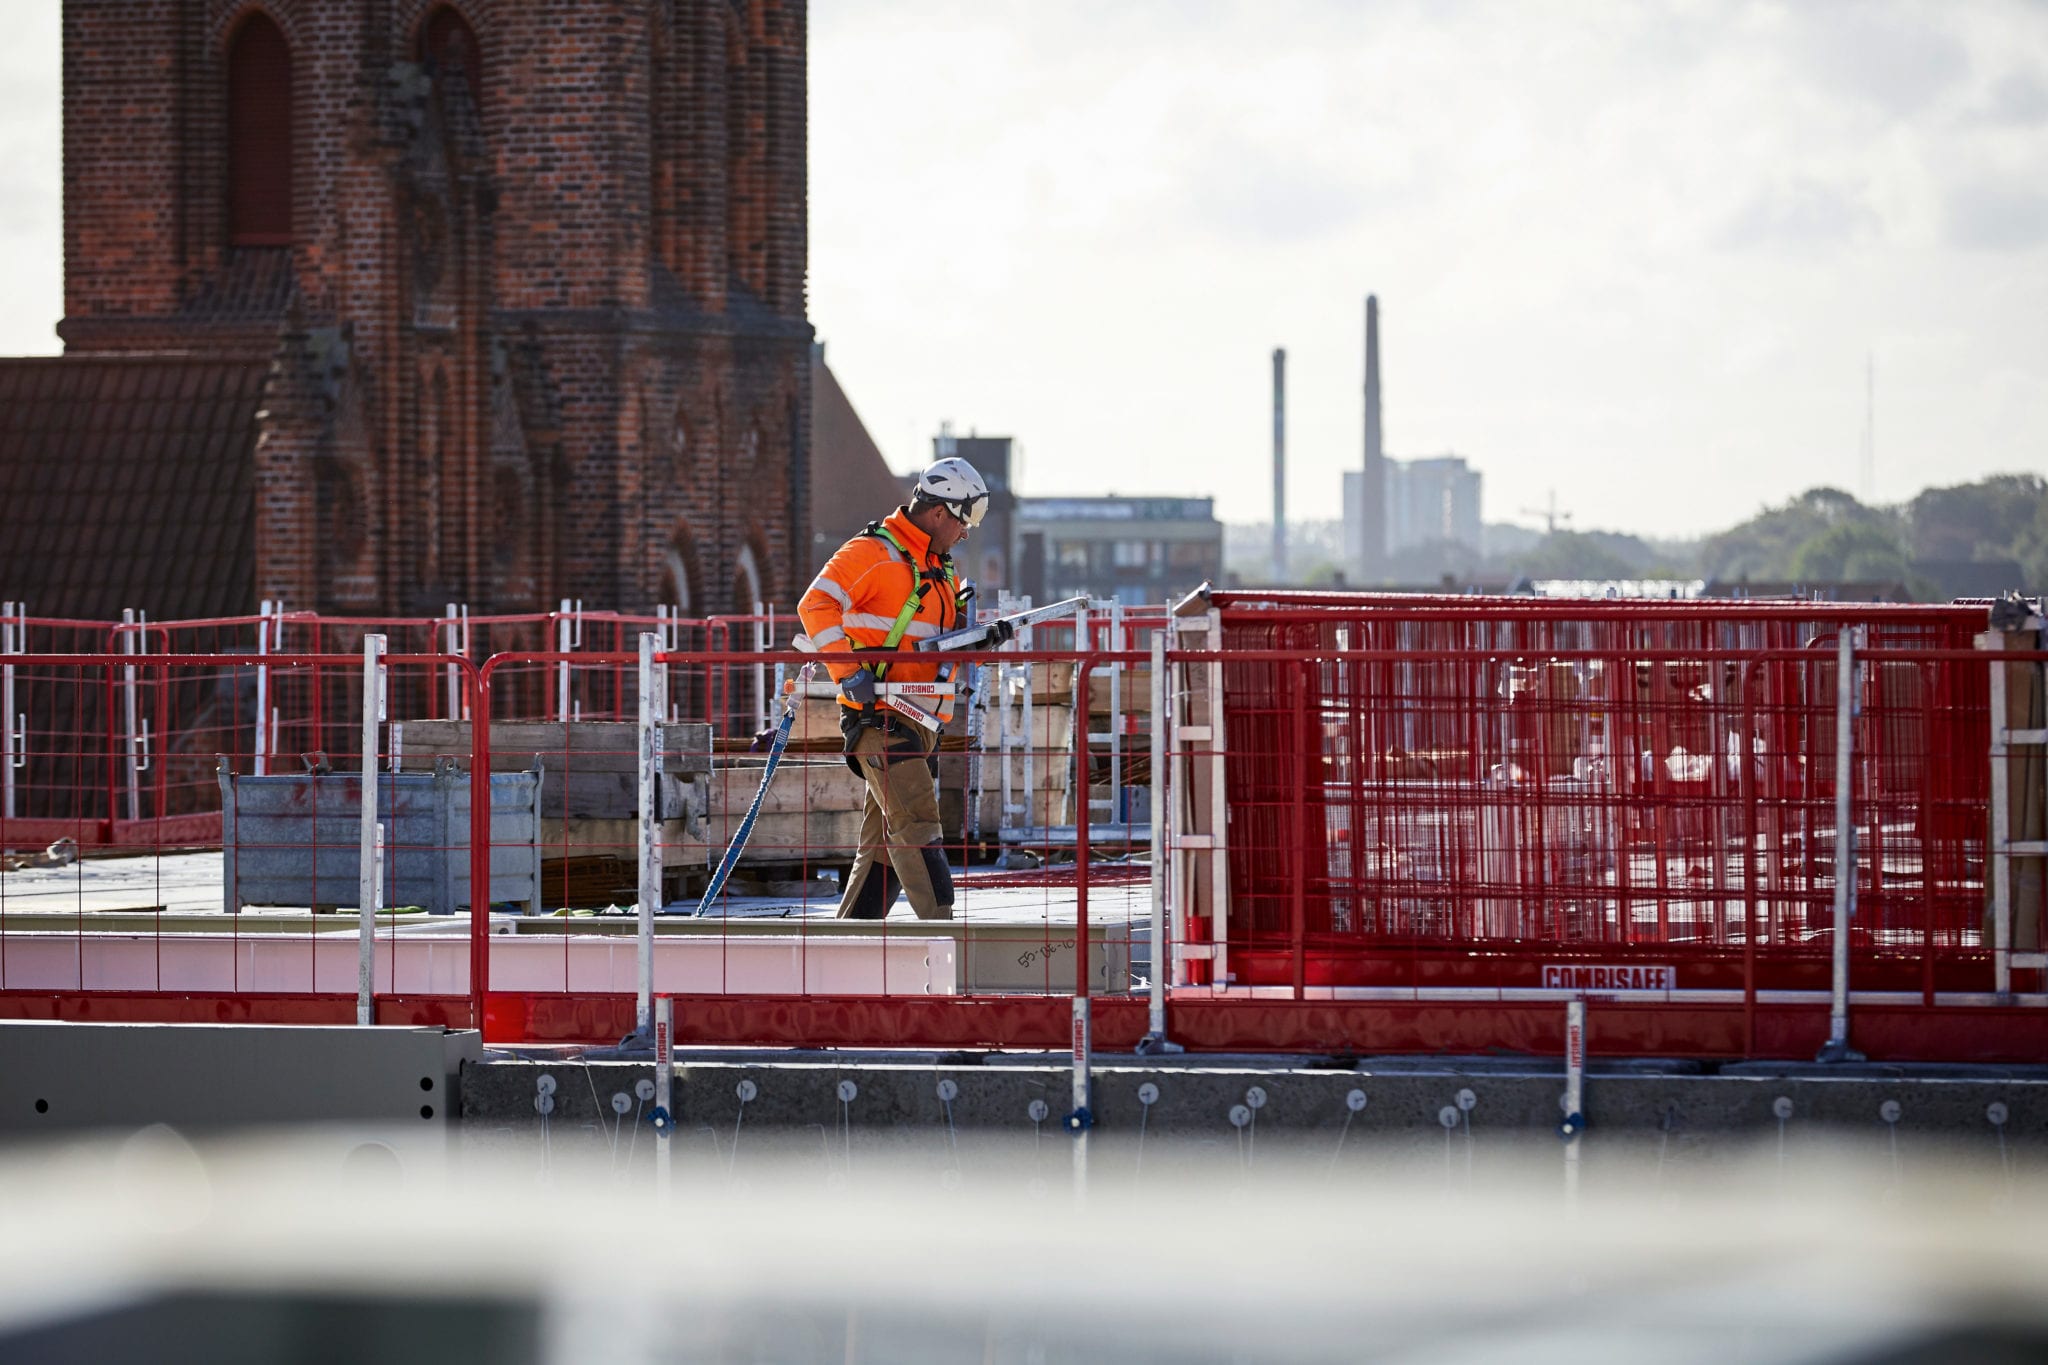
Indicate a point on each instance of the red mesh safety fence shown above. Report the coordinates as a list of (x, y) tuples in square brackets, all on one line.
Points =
[(756, 950), (1494, 794), (107, 910), (1439, 817), (167, 724)]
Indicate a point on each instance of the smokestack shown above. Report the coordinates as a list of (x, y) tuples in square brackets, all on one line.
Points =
[(1279, 465), (1372, 530)]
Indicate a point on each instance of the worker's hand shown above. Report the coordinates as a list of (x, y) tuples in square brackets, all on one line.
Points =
[(1000, 633), (858, 687)]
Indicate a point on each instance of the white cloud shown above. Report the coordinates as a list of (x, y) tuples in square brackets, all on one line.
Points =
[(1898, 57), (1802, 216), (1637, 253), (2020, 98), (1548, 199), (1998, 215), (31, 180)]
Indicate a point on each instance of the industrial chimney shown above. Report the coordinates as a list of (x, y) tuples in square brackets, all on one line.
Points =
[(1279, 465), (1372, 498)]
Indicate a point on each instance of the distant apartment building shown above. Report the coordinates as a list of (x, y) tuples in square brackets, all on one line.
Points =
[(1432, 500), (1135, 550), (1428, 501), (1354, 516), (989, 554)]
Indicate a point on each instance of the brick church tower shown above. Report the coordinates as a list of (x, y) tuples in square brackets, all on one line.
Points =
[(527, 277)]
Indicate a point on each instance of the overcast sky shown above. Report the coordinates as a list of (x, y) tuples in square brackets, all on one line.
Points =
[(1636, 253)]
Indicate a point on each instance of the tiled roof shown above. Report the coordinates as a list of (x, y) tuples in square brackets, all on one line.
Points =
[(128, 481), (850, 481)]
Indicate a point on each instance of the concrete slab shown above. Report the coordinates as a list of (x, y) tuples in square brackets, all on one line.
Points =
[(172, 881), (63, 1077), (438, 964), (1406, 1099), (154, 923)]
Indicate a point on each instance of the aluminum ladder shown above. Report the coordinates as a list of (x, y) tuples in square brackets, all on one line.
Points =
[(2004, 850)]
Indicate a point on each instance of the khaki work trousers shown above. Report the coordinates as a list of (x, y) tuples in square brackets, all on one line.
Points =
[(899, 830)]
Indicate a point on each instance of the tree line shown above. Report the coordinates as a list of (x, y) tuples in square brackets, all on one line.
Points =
[(1822, 536)]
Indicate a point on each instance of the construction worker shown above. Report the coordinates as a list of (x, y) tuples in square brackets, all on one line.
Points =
[(887, 588)]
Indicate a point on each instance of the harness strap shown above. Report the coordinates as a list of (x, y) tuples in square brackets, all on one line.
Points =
[(920, 582)]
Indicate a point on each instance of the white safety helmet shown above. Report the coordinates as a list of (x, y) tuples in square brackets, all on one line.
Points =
[(954, 485)]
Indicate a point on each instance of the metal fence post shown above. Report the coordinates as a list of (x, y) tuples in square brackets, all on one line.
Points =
[(1747, 788), (369, 884), (1155, 1039), (2001, 822), (456, 626), (1574, 1122), (1077, 728), (1837, 1048), (763, 628), (664, 1092), (1082, 1118), (1028, 792), (1307, 743), (260, 747), (568, 638), (669, 627), (1118, 813), (480, 847), (130, 644), (13, 633), (652, 708)]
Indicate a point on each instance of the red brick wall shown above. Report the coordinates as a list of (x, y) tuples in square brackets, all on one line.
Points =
[(122, 113), (561, 261)]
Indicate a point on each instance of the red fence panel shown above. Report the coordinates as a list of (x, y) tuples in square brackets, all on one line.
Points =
[(1485, 794), (768, 948), (142, 927)]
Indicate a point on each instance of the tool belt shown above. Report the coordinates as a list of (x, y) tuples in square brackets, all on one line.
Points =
[(929, 704), (904, 736)]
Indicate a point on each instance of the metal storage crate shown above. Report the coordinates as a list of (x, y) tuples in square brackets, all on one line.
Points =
[(295, 839)]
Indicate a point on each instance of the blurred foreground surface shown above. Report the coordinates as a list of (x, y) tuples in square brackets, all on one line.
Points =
[(347, 1245)]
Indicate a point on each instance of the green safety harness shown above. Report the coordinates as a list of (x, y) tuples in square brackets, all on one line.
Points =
[(921, 581)]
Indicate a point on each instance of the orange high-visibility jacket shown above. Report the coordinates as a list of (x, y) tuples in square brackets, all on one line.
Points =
[(854, 600)]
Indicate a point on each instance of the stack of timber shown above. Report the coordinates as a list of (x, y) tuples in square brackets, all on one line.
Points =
[(816, 729), (809, 820)]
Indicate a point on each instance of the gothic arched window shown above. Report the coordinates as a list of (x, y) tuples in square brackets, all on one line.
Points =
[(679, 575), (448, 45), (747, 591), (259, 135)]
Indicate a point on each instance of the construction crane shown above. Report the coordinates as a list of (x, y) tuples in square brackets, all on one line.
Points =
[(1552, 518)]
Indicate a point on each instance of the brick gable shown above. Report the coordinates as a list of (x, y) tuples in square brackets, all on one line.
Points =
[(539, 331)]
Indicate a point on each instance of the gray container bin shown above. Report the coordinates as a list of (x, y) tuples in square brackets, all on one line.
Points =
[(295, 839)]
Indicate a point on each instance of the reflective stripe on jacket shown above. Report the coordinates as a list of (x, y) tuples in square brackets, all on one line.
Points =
[(854, 601)]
